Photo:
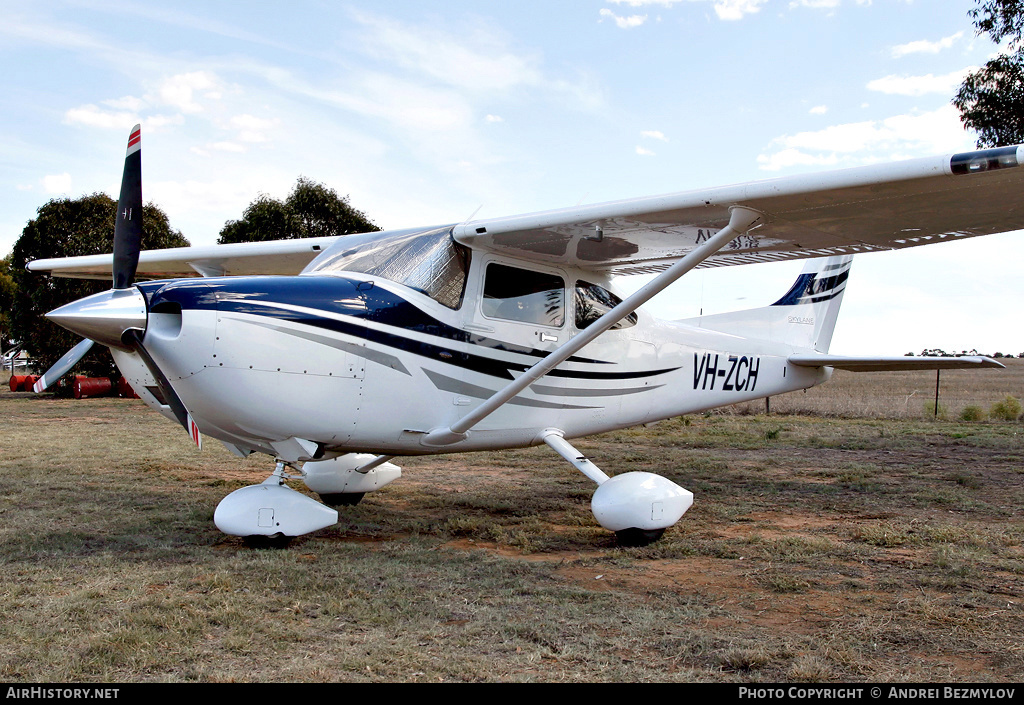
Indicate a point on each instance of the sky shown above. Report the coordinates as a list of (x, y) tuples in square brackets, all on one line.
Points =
[(429, 113)]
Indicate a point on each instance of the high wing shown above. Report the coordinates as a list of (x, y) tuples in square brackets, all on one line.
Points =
[(880, 207), (274, 257)]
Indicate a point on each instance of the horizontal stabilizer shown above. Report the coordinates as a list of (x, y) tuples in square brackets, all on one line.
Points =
[(893, 364)]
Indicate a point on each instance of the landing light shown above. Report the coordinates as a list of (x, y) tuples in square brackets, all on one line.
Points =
[(984, 160)]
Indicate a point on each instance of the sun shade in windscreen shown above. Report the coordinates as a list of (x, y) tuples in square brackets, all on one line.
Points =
[(429, 261)]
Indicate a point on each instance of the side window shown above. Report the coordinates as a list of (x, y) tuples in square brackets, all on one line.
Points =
[(522, 295), (593, 301)]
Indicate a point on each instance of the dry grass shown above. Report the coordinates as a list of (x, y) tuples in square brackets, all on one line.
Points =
[(817, 549), (901, 396)]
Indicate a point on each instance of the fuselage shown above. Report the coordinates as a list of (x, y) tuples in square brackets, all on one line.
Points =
[(360, 363)]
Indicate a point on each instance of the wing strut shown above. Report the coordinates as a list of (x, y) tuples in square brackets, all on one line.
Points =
[(741, 220)]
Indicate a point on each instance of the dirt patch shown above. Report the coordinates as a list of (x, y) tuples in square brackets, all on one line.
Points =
[(816, 550)]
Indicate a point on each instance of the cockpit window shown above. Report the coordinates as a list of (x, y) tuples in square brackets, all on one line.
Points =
[(523, 295), (429, 261), (593, 301)]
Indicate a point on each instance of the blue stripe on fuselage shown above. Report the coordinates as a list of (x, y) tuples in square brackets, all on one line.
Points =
[(357, 300)]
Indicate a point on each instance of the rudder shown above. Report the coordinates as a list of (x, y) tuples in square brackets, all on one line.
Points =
[(805, 317)]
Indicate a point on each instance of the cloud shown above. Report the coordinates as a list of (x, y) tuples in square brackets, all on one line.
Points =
[(252, 129), (180, 91), (130, 103), (818, 110), (623, 22), (925, 47), (93, 116), (57, 183), (818, 4), (724, 9), (654, 135), (227, 147), (920, 85), (494, 118), (791, 156), (897, 137), (475, 58), (736, 9), (644, 152)]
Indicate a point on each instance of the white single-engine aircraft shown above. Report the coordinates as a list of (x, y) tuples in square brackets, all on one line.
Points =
[(502, 333)]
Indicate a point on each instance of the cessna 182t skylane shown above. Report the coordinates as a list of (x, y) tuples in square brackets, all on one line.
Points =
[(505, 332)]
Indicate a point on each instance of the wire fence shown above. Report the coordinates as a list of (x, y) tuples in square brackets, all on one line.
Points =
[(901, 394)]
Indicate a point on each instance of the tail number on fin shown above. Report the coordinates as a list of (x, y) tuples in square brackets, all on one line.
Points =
[(738, 373)]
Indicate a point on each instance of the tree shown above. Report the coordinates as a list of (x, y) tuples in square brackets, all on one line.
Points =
[(68, 228), (999, 18), (991, 100), (264, 219), (8, 294), (311, 210)]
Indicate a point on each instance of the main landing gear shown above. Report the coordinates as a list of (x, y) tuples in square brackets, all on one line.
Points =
[(637, 506)]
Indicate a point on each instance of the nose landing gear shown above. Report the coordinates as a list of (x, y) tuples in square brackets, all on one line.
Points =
[(270, 514)]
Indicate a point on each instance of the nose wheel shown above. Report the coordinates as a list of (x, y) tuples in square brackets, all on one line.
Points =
[(271, 514), (276, 541)]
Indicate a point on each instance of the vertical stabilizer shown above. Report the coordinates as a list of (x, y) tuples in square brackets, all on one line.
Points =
[(804, 317)]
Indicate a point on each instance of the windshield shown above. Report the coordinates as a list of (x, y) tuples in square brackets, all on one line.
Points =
[(429, 261), (593, 301)]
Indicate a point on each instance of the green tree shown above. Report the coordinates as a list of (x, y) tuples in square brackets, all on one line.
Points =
[(999, 18), (991, 100), (264, 219), (311, 210), (8, 293), (69, 228)]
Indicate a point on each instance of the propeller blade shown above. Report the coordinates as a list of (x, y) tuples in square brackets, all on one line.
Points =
[(60, 368), (133, 337), (128, 227)]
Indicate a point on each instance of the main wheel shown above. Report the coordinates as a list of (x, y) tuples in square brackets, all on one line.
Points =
[(633, 538), (342, 499), (261, 541)]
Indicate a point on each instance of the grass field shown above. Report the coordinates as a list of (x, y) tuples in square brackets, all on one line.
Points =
[(865, 541)]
